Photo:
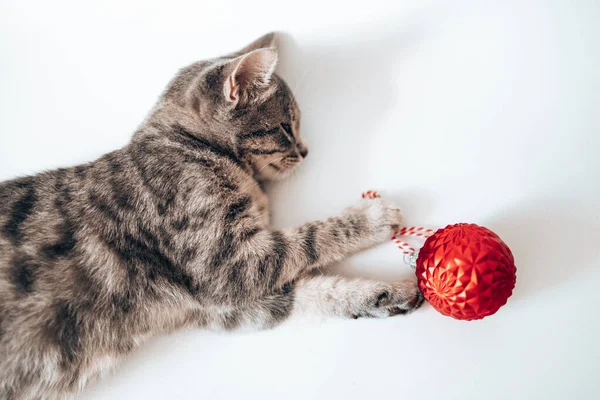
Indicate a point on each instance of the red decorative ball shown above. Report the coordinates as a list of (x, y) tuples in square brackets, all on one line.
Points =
[(466, 271)]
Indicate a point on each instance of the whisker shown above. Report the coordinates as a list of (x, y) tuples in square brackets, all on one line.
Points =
[(252, 182), (270, 162)]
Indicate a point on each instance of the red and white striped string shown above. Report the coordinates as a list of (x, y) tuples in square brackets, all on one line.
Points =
[(370, 194), (417, 231), (410, 231)]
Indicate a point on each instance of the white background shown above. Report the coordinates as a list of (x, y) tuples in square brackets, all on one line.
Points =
[(475, 111)]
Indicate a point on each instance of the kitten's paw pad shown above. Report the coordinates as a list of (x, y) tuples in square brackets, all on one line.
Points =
[(410, 306), (407, 298), (383, 299), (397, 299)]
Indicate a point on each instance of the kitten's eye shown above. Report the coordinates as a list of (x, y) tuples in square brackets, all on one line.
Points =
[(287, 128)]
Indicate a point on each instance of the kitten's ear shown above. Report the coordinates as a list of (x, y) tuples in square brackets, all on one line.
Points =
[(249, 73), (264, 42)]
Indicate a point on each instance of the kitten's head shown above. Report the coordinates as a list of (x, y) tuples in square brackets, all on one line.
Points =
[(243, 104)]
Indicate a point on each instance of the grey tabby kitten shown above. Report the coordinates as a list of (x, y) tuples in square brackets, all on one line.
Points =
[(173, 231)]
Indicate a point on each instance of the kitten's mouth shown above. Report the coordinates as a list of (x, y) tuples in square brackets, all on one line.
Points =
[(281, 167), (284, 166), (289, 162)]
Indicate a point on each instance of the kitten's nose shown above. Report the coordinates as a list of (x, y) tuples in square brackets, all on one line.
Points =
[(303, 151)]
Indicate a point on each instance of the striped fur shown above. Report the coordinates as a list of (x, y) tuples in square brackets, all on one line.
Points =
[(171, 231)]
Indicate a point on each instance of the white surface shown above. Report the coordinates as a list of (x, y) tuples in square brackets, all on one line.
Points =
[(460, 111)]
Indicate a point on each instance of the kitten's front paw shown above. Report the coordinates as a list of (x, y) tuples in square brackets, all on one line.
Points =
[(408, 298), (393, 299), (384, 218)]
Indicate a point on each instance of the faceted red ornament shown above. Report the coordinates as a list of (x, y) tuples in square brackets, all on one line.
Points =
[(466, 271)]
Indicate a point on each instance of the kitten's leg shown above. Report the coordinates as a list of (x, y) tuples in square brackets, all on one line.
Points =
[(270, 259), (322, 296), (321, 243), (354, 298)]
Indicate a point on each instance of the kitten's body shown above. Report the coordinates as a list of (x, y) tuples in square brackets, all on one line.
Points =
[(172, 231)]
